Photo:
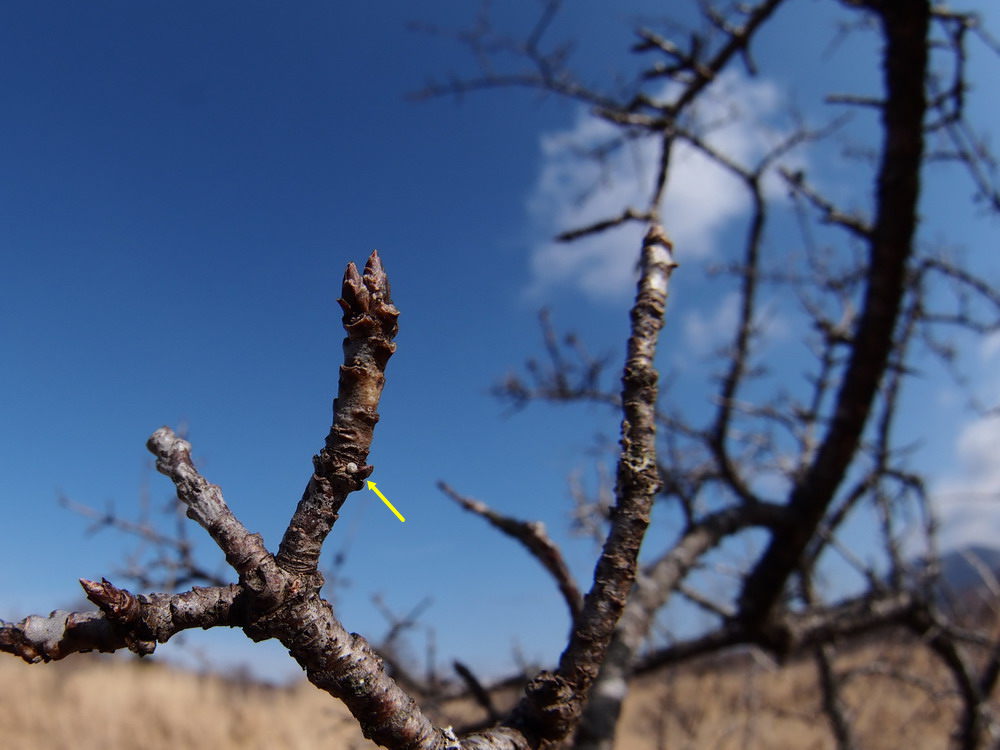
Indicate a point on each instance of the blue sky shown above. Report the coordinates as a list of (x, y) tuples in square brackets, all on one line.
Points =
[(181, 187)]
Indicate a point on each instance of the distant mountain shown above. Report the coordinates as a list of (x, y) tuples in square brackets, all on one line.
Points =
[(962, 570), (968, 582)]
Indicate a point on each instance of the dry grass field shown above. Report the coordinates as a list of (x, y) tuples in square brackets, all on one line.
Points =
[(88, 703), (114, 704)]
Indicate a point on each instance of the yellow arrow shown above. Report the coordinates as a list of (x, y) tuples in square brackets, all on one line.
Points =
[(373, 488)]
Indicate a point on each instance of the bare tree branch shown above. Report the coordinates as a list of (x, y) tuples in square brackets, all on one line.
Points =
[(341, 468), (833, 704), (126, 621), (533, 538), (480, 693), (905, 65), (244, 551)]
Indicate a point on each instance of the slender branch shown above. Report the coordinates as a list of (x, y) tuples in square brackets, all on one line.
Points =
[(739, 361), (653, 589), (244, 551), (831, 214), (174, 567), (833, 703), (854, 100), (125, 621), (552, 704), (738, 42), (970, 725), (480, 693), (533, 538), (629, 214), (341, 468)]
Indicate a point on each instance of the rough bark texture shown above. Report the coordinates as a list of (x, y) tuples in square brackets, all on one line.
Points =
[(370, 320), (653, 588), (125, 621), (551, 708), (344, 665), (244, 551)]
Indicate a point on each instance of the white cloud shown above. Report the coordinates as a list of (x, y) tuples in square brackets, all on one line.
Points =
[(989, 346), (573, 191), (968, 503), (705, 332)]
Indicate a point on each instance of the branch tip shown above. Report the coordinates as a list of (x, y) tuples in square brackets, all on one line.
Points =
[(368, 294), (375, 274), (377, 281), (657, 235), (355, 299), (118, 604)]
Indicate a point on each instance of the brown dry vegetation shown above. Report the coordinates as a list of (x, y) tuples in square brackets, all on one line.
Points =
[(760, 705), (113, 704), (745, 701)]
